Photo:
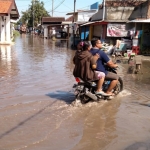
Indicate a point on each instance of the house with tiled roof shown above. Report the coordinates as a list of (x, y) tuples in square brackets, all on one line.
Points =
[(70, 18), (49, 23), (8, 11)]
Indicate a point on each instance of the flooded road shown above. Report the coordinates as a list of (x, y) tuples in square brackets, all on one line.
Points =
[(35, 96)]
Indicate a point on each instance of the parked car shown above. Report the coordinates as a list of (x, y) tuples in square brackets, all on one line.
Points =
[(61, 34), (58, 35)]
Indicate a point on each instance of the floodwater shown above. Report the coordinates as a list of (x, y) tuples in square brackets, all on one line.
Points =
[(35, 96)]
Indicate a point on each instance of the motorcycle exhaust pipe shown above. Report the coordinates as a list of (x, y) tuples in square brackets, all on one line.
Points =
[(92, 96)]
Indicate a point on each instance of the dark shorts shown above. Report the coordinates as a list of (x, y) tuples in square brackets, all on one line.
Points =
[(111, 76)]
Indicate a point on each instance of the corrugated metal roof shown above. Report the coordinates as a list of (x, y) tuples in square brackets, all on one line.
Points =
[(139, 21)]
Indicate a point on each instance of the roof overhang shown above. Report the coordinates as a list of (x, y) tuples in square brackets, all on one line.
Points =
[(10, 8), (13, 21), (139, 21), (82, 11), (51, 23), (87, 23), (71, 13), (103, 22), (14, 14), (66, 22)]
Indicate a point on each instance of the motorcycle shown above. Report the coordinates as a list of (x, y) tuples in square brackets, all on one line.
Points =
[(85, 91)]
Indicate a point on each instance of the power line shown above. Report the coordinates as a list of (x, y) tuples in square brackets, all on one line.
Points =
[(61, 12), (57, 6), (67, 7), (52, 7)]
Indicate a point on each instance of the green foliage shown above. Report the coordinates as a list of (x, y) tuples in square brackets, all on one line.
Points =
[(34, 13), (16, 33)]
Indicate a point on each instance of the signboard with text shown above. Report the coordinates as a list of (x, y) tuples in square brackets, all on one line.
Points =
[(116, 30)]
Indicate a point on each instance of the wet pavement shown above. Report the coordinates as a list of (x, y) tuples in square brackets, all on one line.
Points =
[(35, 96)]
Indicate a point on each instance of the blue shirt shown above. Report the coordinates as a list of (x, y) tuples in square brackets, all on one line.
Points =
[(100, 62)]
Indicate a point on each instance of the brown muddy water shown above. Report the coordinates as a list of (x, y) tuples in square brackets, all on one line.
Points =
[(35, 96)]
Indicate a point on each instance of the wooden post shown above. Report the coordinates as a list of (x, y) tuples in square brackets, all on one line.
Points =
[(68, 36), (141, 47), (138, 63), (90, 32)]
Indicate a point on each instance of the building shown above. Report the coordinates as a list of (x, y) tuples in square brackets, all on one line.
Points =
[(140, 21), (80, 17), (51, 24), (8, 11), (109, 23)]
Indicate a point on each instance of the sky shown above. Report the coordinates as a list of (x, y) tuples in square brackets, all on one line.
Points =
[(62, 7)]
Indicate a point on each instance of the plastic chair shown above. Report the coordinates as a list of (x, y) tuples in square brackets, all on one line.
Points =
[(121, 49)]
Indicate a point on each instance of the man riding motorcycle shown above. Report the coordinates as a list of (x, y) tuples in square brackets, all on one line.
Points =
[(104, 59), (85, 63)]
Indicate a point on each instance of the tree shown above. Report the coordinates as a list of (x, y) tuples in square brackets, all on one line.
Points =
[(32, 16)]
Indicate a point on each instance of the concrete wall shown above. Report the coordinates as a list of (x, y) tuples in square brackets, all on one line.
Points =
[(0, 27), (118, 13), (97, 31), (148, 11), (114, 13), (85, 16), (121, 13), (5, 30)]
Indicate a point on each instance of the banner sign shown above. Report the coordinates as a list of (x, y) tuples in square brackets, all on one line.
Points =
[(116, 30)]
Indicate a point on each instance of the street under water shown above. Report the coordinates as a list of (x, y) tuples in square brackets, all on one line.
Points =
[(35, 103)]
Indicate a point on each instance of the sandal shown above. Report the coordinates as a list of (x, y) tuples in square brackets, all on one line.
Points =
[(111, 94), (102, 93)]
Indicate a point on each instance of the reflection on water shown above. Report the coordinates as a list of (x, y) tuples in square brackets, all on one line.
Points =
[(36, 93), (7, 59), (139, 146)]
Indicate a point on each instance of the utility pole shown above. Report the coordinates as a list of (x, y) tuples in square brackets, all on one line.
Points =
[(52, 7), (73, 24), (33, 13)]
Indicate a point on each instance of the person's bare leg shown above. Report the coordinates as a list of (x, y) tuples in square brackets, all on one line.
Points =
[(99, 84), (118, 43), (111, 86)]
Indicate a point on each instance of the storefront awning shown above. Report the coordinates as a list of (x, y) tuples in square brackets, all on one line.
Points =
[(103, 22), (139, 21), (95, 22), (87, 23)]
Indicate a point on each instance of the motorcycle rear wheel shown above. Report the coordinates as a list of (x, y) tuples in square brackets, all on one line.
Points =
[(82, 97), (119, 86)]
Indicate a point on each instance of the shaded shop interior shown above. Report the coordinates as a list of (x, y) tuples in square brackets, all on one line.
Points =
[(135, 34)]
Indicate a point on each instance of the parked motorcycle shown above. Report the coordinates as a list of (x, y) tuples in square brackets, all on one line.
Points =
[(85, 91)]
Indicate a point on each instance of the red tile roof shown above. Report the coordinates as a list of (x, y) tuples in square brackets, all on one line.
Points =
[(53, 19), (5, 6), (69, 18)]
